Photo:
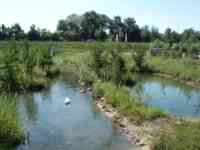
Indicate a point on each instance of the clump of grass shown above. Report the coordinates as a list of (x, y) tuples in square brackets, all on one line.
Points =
[(184, 137), (120, 98), (11, 132)]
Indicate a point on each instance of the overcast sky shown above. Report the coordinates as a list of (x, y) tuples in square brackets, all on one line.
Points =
[(177, 14)]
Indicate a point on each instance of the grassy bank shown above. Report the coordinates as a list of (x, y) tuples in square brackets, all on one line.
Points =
[(182, 69), (11, 132), (127, 105), (185, 136)]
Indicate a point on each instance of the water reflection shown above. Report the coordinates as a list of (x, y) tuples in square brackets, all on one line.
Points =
[(52, 125), (30, 106), (171, 96)]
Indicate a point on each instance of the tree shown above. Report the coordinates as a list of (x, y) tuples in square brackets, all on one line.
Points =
[(189, 35), (132, 30), (33, 34), (175, 37), (75, 19), (145, 34), (167, 35), (61, 27), (56, 36), (70, 27), (4, 32), (104, 23), (116, 28), (155, 34), (45, 35), (72, 32), (16, 32), (91, 25)]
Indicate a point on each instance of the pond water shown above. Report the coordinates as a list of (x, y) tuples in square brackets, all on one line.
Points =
[(78, 126), (171, 96)]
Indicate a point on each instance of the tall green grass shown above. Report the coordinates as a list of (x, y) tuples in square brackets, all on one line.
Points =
[(24, 67), (184, 137), (120, 98), (11, 132), (76, 63)]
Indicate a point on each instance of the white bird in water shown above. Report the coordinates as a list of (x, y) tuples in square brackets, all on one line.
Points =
[(67, 101)]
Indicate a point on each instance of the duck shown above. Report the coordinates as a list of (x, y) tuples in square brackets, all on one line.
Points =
[(67, 101)]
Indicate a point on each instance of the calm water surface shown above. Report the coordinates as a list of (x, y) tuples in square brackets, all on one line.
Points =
[(79, 126), (171, 96)]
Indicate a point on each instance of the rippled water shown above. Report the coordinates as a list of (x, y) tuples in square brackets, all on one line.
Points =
[(171, 96), (79, 126)]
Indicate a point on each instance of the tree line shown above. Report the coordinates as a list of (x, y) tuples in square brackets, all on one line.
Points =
[(94, 26)]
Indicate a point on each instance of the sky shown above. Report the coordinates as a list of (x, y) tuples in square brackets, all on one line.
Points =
[(176, 14)]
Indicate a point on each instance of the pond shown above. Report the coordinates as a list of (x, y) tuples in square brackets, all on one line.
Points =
[(171, 96), (79, 126)]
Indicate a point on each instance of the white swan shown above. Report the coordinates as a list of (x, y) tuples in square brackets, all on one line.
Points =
[(67, 101)]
